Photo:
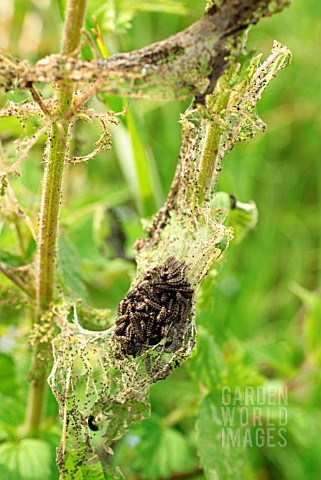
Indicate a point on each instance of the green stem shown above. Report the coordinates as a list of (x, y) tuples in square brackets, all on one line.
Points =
[(20, 239), (58, 143), (49, 218)]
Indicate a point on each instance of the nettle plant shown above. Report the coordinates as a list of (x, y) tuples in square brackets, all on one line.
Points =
[(101, 379)]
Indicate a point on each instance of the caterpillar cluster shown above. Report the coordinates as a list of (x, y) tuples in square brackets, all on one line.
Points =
[(158, 307)]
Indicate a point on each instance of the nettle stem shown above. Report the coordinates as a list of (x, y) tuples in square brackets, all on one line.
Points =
[(57, 151)]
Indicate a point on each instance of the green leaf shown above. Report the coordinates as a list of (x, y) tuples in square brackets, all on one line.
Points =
[(70, 265), (274, 354), (161, 451), (147, 176), (118, 14), (137, 165), (61, 4), (29, 459), (219, 461), (125, 155), (12, 409), (7, 374), (312, 322), (239, 370), (206, 361), (10, 258), (155, 6)]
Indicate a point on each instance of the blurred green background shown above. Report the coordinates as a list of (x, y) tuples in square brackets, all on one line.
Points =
[(261, 317)]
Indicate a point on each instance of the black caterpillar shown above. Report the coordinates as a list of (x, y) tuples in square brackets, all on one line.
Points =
[(158, 307), (91, 423)]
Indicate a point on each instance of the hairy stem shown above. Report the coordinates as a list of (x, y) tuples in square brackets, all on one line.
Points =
[(58, 147)]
